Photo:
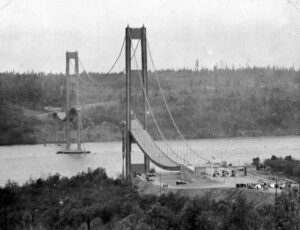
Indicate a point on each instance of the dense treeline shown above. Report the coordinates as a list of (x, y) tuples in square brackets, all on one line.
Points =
[(32, 90), (91, 200), (222, 102), (19, 92), (15, 127), (287, 165)]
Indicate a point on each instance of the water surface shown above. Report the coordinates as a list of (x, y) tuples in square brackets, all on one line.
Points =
[(21, 162)]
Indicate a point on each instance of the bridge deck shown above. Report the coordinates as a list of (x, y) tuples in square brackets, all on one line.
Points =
[(149, 147)]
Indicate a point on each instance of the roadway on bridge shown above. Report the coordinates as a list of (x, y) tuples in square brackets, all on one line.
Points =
[(150, 148)]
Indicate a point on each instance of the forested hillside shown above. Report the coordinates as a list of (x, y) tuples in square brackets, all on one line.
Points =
[(223, 102)]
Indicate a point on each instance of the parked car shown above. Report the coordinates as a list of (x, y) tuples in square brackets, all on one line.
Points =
[(272, 185), (250, 186), (282, 186), (178, 182), (257, 186), (150, 174)]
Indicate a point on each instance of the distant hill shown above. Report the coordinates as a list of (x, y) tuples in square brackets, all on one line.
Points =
[(225, 102)]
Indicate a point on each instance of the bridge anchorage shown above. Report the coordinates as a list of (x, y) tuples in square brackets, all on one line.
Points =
[(135, 131), (73, 110)]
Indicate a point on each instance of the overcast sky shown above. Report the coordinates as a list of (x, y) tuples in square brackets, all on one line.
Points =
[(35, 34)]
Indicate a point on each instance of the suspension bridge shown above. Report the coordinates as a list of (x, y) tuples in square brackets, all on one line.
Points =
[(162, 152)]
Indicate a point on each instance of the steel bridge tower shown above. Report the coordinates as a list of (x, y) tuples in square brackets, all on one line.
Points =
[(71, 83), (69, 56), (130, 34)]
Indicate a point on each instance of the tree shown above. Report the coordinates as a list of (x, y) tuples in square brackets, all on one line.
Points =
[(194, 214), (242, 216), (256, 162), (8, 201)]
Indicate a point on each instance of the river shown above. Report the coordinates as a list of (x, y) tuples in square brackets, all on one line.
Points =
[(21, 162)]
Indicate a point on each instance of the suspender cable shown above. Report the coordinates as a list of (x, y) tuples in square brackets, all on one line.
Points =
[(168, 109), (152, 114)]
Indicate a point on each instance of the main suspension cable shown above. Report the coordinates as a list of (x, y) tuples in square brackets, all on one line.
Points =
[(111, 68), (120, 53), (95, 82)]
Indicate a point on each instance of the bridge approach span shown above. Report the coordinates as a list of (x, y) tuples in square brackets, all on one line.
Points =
[(150, 148)]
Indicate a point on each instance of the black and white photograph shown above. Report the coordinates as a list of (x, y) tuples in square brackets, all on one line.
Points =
[(150, 115)]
